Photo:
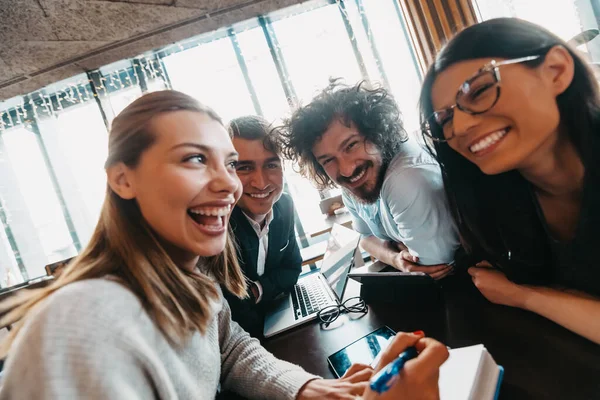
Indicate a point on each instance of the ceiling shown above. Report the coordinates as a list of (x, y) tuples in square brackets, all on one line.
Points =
[(44, 41)]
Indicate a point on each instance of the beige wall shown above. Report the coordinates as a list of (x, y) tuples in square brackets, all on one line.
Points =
[(44, 41)]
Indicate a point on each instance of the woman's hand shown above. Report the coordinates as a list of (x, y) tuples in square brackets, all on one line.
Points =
[(496, 287), (350, 386), (419, 377), (406, 262)]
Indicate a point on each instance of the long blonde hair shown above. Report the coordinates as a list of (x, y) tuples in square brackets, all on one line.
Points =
[(124, 245)]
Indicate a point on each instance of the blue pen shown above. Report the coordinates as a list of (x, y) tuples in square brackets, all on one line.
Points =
[(384, 379)]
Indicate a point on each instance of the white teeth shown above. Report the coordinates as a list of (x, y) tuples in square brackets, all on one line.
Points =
[(217, 226), (488, 141), (259, 195), (359, 176), (211, 211), (212, 227)]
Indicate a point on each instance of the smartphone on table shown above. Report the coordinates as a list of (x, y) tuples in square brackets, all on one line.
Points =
[(364, 350)]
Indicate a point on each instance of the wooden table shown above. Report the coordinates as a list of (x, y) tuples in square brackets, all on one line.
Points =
[(541, 359)]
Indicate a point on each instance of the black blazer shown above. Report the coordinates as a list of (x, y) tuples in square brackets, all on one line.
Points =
[(283, 262)]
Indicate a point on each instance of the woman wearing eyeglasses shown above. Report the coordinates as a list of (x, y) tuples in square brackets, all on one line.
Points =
[(512, 114)]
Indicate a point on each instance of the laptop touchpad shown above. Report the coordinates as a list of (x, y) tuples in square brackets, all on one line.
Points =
[(280, 305)]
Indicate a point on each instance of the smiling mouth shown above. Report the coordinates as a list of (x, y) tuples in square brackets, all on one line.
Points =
[(210, 218), (488, 141), (260, 196), (359, 176), (354, 180)]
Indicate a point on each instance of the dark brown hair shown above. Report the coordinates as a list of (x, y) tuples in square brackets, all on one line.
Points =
[(255, 127), (373, 112)]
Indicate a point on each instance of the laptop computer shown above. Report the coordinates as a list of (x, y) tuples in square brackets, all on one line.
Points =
[(319, 289)]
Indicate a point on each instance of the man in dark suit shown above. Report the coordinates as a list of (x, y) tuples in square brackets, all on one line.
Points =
[(262, 223)]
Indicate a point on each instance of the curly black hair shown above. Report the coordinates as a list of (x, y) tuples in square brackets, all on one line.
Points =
[(373, 112)]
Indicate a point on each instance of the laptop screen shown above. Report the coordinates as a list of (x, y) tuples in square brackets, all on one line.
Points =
[(338, 257)]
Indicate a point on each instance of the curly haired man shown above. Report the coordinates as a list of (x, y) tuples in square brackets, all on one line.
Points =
[(353, 137)]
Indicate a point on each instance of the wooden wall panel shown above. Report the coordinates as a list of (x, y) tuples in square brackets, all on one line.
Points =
[(431, 23)]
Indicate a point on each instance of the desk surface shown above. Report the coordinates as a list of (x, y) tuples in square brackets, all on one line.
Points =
[(541, 359)]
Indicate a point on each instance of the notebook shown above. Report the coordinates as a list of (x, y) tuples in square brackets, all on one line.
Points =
[(470, 373)]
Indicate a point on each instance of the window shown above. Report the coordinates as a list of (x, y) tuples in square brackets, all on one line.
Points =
[(120, 99), (396, 57), (34, 211), (316, 46), (565, 18), (121, 85), (263, 74), (10, 273), (210, 73), (77, 144)]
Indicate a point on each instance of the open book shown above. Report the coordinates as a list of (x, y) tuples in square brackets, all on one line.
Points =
[(470, 373)]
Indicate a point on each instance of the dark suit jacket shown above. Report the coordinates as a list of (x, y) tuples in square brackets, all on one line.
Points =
[(282, 265)]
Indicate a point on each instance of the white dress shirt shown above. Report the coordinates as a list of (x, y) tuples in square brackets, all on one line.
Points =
[(263, 246), (411, 209)]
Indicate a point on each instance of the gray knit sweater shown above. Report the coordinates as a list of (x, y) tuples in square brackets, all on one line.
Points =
[(93, 340)]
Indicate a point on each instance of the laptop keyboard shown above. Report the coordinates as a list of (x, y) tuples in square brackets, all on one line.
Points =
[(309, 296)]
